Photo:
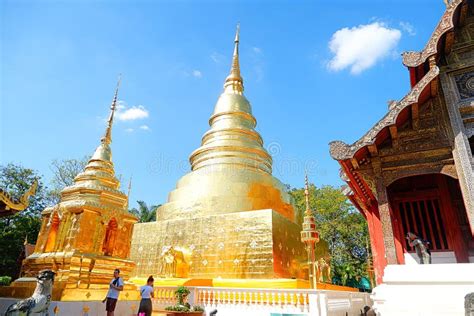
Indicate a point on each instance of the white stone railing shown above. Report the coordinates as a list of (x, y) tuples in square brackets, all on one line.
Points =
[(258, 300), (164, 296), (245, 301)]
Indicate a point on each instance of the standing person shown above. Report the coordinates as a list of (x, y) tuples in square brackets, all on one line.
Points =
[(421, 248), (116, 285), (147, 294)]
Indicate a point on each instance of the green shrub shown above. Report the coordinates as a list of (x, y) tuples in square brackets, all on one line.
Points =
[(5, 280), (197, 308), (177, 308), (181, 294)]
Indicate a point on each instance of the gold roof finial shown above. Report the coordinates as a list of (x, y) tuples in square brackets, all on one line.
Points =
[(108, 132), (129, 187), (234, 81), (306, 195)]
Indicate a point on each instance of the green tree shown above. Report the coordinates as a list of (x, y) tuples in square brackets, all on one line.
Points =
[(16, 180), (64, 172), (144, 213), (341, 225)]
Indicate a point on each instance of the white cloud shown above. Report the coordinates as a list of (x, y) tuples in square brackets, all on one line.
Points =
[(217, 58), (197, 74), (129, 114), (361, 47), (129, 130), (145, 127), (407, 27), (257, 50), (121, 105)]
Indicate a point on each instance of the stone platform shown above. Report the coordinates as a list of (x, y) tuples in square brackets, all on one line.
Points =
[(424, 290), (228, 302), (81, 308)]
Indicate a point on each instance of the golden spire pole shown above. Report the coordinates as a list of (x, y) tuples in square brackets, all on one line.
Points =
[(129, 190), (129, 187), (234, 81), (108, 132), (309, 236)]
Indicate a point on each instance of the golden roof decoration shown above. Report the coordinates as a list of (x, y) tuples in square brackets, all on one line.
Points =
[(10, 205)]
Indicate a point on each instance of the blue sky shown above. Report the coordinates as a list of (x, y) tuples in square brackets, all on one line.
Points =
[(314, 71)]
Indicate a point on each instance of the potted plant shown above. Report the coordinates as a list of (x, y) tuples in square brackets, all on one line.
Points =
[(182, 307)]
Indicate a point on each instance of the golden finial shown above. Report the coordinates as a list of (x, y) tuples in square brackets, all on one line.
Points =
[(108, 132), (306, 194), (26, 240), (234, 81), (129, 187)]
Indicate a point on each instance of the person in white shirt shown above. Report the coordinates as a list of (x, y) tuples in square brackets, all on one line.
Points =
[(116, 285), (146, 292)]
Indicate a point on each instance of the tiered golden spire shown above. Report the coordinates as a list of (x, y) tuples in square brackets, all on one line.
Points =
[(108, 132), (309, 236), (231, 162), (234, 82), (232, 139), (306, 195), (99, 171)]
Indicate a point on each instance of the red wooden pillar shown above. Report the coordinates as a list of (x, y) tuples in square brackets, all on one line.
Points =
[(397, 234), (376, 240), (453, 227)]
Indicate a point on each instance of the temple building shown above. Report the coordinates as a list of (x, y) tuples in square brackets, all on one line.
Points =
[(86, 235), (228, 217), (413, 171)]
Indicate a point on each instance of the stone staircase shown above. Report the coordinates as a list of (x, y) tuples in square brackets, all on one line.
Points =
[(424, 290)]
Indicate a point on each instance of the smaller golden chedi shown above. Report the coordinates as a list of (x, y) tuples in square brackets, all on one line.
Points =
[(86, 235)]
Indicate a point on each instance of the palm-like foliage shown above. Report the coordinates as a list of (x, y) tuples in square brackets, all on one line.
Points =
[(144, 213)]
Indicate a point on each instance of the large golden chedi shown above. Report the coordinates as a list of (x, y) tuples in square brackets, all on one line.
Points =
[(228, 217), (86, 235)]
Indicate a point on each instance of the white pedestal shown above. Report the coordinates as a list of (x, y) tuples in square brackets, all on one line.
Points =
[(424, 290)]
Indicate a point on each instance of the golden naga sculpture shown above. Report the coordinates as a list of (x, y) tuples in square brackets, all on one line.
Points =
[(87, 234), (229, 213), (10, 206)]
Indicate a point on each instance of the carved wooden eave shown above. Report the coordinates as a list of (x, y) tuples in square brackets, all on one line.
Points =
[(342, 151), (10, 205), (446, 24)]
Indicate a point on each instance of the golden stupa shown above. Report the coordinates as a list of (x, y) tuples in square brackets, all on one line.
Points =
[(86, 235), (228, 218)]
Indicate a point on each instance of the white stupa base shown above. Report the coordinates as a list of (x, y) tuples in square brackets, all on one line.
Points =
[(424, 290)]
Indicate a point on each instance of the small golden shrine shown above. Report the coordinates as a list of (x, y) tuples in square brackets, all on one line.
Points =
[(86, 235), (310, 237), (228, 218)]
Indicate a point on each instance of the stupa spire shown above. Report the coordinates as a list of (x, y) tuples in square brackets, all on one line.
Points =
[(108, 132), (234, 82), (306, 195)]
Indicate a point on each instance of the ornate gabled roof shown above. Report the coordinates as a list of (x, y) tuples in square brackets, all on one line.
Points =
[(10, 205), (341, 151), (414, 59)]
